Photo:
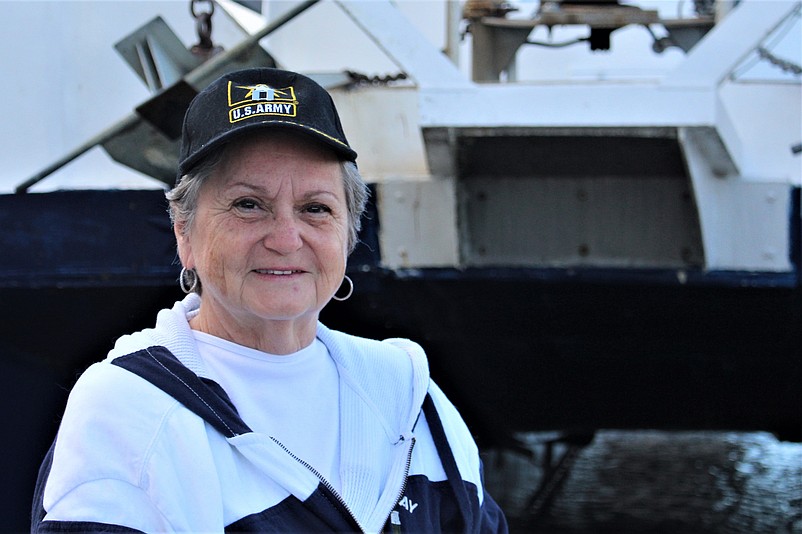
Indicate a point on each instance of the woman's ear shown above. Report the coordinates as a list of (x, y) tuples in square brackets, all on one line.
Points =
[(184, 245)]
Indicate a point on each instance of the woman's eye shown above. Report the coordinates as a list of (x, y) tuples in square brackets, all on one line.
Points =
[(318, 208), (246, 204)]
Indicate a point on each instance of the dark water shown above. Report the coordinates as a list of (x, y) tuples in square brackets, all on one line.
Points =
[(652, 481)]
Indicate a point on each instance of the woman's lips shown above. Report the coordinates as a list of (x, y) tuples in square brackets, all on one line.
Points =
[(279, 272)]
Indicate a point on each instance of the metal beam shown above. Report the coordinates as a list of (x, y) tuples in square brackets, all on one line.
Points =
[(609, 105), (729, 43), (403, 43)]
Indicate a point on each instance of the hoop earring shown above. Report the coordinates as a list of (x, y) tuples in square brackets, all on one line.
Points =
[(350, 290), (192, 275)]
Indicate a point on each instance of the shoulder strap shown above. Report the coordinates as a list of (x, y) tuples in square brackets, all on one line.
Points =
[(203, 397), (446, 456)]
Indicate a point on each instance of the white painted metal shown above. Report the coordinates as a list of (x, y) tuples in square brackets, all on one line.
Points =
[(577, 105), (735, 136), (380, 122), (422, 223), (744, 225), (247, 20)]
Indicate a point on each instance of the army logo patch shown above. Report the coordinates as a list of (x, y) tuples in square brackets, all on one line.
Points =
[(248, 101)]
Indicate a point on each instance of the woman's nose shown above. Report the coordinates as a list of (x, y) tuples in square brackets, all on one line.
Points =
[(283, 235)]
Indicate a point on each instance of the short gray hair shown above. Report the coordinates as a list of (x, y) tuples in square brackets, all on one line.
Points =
[(184, 196)]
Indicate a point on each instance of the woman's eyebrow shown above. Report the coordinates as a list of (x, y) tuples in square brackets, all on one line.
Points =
[(320, 192), (246, 185), (256, 188)]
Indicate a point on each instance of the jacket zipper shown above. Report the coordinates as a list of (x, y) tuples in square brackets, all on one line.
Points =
[(396, 526), (326, 483)]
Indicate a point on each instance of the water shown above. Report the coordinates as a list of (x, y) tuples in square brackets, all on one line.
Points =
[(653, 481)]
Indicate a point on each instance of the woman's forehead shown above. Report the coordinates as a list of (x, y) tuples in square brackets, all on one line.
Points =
[(267, 163)]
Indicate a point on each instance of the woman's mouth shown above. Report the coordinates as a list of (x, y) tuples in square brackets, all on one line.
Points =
[(277, 272)]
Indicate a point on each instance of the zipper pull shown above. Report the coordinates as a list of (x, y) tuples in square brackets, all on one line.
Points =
[(406, 436), (395, 522)]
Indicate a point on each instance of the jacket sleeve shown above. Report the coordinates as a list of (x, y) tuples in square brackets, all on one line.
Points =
[(99, 479), (110, 497), (489, 518)]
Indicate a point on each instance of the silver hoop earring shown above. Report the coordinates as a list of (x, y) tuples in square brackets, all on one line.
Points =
[(188, 280), (350, 290)]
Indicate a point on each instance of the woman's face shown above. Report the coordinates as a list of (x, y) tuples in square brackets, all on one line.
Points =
[(269, 239)]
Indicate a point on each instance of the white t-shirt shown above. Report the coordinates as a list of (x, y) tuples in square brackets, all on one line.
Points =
[(294, 398)]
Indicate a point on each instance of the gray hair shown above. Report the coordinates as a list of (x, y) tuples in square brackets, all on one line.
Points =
[(184, 196)]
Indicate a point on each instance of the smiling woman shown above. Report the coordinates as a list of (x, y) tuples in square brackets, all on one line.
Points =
[(268, 242), (239, 410)]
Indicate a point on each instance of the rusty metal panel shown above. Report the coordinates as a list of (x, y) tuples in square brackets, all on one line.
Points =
[(601, 222)]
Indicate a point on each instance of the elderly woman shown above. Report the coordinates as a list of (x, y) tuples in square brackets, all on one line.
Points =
[(239, 411)]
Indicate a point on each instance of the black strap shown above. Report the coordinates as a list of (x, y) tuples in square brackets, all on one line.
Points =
[(203, 397), (447, 457)]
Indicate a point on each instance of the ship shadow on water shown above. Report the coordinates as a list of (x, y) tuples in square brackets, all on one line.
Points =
[(649, 481)]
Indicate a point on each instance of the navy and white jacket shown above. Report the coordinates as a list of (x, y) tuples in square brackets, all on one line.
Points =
[(149, 443)]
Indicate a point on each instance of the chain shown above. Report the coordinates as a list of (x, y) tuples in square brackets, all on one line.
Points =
[(786, 66), (705, 8), (203, 24), (362, 79)]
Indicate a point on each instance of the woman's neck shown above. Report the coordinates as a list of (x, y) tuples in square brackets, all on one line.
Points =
[(271, 336)]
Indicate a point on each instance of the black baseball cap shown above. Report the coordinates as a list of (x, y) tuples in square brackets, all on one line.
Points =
[(254, 99)]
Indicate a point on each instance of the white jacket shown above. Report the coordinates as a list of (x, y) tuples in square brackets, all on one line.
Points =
[(130, 454)]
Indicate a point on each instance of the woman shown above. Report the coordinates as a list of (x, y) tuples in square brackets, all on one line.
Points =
[(240, 411)]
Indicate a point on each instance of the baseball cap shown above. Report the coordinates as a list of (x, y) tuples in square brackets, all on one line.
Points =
[(253, 99)]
